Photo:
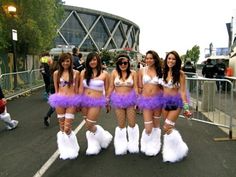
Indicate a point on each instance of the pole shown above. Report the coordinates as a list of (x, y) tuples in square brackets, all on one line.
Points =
[(14, 39)]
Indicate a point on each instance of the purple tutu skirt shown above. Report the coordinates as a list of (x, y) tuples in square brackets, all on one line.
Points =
[(87, 101), (152, 102), (123, 100), (57, 100), (172, 102)]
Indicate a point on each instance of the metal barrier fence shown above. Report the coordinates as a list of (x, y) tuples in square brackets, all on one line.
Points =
[(18, 83), (212, 102)]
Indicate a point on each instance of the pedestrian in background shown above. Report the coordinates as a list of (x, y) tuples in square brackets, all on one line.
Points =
[(174, 99), (122, 93), (46, 61), (94, 84), (220, 74), (149, 101), (51, 109), (209, 69), (77, 59), (4, 115), (190, 71), (65, 100)]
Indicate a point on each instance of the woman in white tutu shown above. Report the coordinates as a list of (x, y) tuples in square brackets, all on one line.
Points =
[(174, 99), (65, 100), (93, 87), (123, 92)]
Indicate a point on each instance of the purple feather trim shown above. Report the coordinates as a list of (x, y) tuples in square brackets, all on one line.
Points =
[(57, 100), (87, 101), (152, 102), (123, 100), (169, 101)]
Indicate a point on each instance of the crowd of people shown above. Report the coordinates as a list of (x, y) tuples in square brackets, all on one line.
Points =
[(157, 89)]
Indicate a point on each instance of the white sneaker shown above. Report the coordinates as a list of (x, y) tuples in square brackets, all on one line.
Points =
[(14, 125)]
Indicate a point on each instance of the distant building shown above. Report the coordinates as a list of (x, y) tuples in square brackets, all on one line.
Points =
[(92, 30)]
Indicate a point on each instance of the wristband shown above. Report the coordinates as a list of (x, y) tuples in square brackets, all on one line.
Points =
[(186, 106)]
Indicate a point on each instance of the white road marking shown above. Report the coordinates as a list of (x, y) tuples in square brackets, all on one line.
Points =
[(52, 159)]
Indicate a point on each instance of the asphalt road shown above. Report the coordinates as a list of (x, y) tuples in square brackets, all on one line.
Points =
[(25, 150)]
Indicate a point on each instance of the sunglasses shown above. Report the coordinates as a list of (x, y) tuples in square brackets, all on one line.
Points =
[(123, 63)]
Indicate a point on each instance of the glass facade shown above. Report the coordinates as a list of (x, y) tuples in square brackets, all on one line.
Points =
[(92, 30)]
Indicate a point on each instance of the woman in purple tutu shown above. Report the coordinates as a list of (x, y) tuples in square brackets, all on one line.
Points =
[(93, 87), (174, 99), (123, 92), (65, 100), (150, 101)]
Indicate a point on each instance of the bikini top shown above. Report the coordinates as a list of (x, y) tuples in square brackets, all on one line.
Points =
[(94, 84), (63, 82), (127, 83), (149, 80), (169, 84)]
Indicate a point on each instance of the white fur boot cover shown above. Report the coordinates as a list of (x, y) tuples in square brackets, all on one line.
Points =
[(104, 137), (61, 145), (120, 141), (153, 143), (93, 144), (146, 144), (133, 136), (174, 148), (72, 146)]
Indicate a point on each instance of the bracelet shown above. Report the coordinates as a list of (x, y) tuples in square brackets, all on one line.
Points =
[(186, 106)]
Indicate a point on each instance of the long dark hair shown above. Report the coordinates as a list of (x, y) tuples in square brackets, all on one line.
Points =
[(89, 71), (118, 60), (157, 62), (176, 68), (62, 58)]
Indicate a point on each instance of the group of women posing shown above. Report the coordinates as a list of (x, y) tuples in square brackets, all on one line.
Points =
[(158, 90)]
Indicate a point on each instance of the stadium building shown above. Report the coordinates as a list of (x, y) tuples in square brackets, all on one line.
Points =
[(92, 30)]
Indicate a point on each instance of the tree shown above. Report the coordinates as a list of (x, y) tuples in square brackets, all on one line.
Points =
[(108, 57), (36, 24), (193, 54)]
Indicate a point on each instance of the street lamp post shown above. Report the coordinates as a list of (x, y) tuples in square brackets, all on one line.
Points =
[(12, 11)]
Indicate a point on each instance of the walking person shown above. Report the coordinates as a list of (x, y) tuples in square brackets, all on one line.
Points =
[(4, 115), (150, 103), (123, 92), (220, 74), (93, 88), (46, 61), (174, 99), (51, 109), (65, 100)]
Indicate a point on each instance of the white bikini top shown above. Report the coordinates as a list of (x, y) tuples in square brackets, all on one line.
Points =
[(94, 84), (169, 84), (63, 82), (127, 83), (149, 80)]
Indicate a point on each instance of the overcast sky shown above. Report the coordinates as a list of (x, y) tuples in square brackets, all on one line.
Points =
[(171, 24)]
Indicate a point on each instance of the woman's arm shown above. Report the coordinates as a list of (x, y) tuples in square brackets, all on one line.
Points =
[(111, 84), (55, 74), (140, 81), (77, 75), (183, 93), (135, 78), (81, 86)]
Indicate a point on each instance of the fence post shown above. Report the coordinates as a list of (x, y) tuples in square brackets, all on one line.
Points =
[(208, 96)]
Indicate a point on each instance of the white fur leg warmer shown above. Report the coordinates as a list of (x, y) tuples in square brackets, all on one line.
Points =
[(120, 141), (104, 137), (133, 136), (174, 148), (154, 144), (93, 145), (67, 145)]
